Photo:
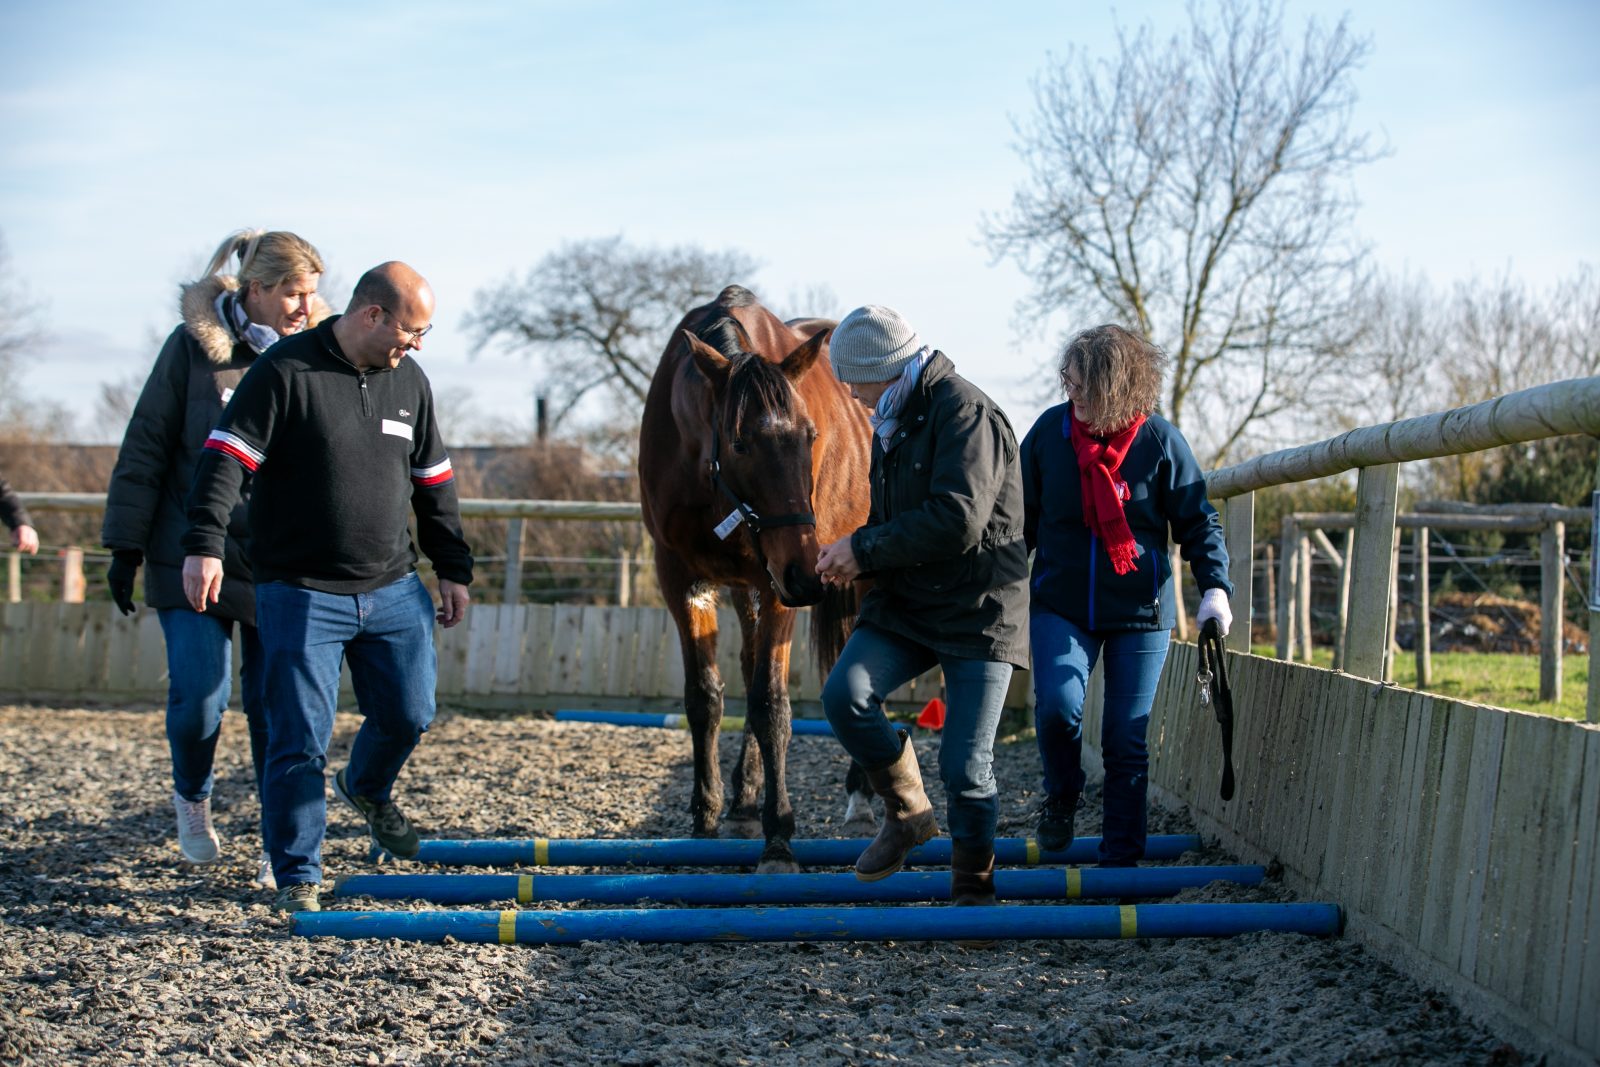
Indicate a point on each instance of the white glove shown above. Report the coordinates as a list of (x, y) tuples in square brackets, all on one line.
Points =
[(1214, 605)]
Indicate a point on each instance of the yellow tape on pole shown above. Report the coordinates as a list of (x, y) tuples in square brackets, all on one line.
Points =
[(1033, 851), (508, 927), (1074, 883), (524, 889), (541, 852), (1130, 921)]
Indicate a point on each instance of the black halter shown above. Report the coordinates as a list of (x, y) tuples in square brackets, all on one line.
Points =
[(752, 519)]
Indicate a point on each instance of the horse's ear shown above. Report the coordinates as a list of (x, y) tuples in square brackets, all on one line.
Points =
[(713, 364), (797, 363)]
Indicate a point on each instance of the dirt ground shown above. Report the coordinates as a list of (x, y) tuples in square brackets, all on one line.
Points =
[(114, 951)]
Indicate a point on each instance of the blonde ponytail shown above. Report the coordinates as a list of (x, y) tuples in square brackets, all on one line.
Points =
[(265, 256)]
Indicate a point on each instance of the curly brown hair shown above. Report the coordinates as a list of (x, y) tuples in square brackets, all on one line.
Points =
[(1118, 374)]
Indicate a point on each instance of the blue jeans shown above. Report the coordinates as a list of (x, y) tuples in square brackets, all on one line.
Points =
[(199, 683), (1063, 655), (876, 662), (387, 635)]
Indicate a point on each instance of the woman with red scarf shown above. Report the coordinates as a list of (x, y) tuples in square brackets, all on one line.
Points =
[(1104, 480)]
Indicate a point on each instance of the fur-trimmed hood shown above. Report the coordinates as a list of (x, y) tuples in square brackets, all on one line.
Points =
[(198, 304)]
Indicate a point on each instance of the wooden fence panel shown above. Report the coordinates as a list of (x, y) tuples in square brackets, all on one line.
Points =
[(565, 650), (539, 631), (513, 635), (122, 653), (151, 663), (1580, 964), (1483, 789)]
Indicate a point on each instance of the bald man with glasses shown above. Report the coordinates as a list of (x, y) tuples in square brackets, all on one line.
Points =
[(336, 428)]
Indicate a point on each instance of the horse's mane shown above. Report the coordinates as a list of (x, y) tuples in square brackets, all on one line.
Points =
[(751, 379)]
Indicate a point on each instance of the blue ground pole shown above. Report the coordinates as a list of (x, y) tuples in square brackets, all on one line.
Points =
[(1043, 884), (735, 852), (674, 721), (1001, 922)]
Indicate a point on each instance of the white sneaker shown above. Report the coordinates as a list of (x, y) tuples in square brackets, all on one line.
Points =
[(264, 876), (197, 838)]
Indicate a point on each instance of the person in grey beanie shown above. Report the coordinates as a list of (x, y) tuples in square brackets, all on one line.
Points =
[(943, 546)]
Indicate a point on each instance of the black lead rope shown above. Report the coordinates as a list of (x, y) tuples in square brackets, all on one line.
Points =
[(1214, 690)]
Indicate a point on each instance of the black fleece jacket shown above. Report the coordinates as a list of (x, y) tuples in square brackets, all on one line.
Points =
[(340, 457)]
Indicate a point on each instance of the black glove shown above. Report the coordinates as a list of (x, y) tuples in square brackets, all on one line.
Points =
[(124, 568)]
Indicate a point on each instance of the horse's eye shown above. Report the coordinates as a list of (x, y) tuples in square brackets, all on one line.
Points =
[(811, 434), (739, 446)]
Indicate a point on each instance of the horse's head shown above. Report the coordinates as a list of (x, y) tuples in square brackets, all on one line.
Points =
[(762, 458)]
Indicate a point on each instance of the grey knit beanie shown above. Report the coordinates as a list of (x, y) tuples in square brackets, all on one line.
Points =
[(872, 344)]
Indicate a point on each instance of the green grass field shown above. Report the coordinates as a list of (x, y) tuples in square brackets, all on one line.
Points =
[(1506, 681)]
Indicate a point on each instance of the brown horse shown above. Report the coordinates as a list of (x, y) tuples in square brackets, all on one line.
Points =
[(751, 455)]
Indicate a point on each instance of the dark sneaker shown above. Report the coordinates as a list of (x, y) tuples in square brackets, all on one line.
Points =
[(391, 830), (1055, 823), (300, 896)]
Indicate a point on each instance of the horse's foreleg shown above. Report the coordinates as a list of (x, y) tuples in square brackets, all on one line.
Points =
[(768, 723), (744, 818), (693, 606)]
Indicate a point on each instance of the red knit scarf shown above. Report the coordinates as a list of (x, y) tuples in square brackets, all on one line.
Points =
[(1104, 492)]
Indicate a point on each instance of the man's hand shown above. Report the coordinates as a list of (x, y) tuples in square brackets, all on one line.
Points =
[(25, 539), (202, 580), (837, 563), (453, 601)]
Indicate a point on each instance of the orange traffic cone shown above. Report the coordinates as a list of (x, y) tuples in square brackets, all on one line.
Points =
[(931, 717)]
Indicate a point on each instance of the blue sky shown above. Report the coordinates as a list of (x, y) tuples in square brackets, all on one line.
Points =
[(851, 145)]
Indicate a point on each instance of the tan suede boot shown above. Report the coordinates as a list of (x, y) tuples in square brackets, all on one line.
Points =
[(908, 818)]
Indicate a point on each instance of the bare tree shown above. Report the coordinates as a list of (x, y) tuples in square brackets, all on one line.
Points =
[(1198, 192), (597, 312), (22, 418)]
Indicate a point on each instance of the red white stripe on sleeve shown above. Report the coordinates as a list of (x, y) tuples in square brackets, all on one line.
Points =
[(249, 456), (434, 475)]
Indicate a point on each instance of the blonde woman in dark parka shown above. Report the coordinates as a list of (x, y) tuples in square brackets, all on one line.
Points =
[(229, 318)]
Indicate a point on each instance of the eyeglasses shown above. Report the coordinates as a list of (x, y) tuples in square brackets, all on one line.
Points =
[(412, 336)]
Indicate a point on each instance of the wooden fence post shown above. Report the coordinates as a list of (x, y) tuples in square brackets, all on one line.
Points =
[(1377, 490), (1344, 600), (72, 583), (1552, 600), (14, 577), (1302, 598), (513, 586), (1389, 642), (1288, 569), (1239, 526), (1269, 575), (1424, 643), (624, 578)]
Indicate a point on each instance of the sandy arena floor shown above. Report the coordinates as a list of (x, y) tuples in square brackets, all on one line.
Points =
[(114, 951)]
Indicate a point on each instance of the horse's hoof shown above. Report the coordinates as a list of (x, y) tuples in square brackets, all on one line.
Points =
[(778, 866), (742, 828), (705, 831), (861, 825)]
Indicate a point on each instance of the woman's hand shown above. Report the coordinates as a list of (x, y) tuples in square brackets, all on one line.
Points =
[(837, 563), (1214, 605)]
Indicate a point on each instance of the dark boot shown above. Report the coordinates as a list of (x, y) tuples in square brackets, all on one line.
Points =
[(907, 816), (971, 873), (1056, 821), (972, 880)]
